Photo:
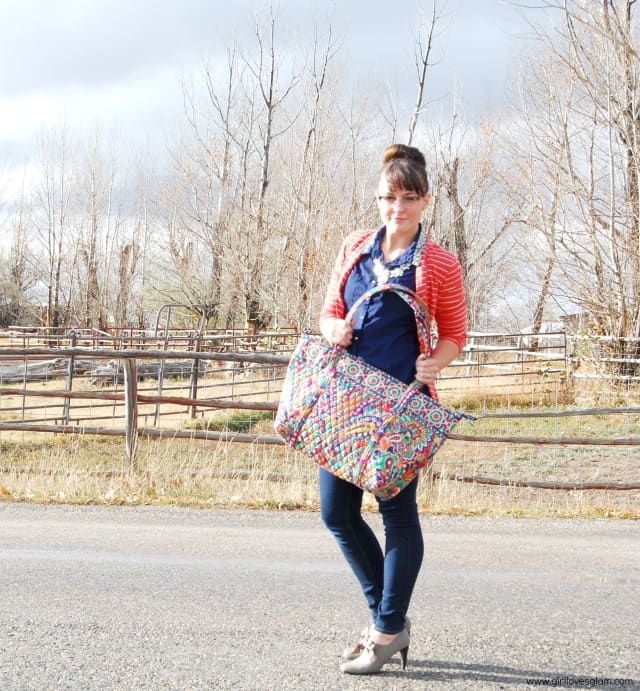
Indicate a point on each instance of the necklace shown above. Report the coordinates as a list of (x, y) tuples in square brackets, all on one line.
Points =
[(384, 273)]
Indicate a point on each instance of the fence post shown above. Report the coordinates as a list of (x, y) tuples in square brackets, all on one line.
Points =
[(195, 368), (568, 361), (67, 401), (131, 411)]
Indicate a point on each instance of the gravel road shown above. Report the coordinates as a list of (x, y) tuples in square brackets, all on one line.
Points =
[(167, 598)]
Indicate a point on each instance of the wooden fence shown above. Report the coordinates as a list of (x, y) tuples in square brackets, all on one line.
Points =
[(504, 362)]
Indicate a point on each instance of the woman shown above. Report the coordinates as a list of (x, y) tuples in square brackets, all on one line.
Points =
[(384, 333)]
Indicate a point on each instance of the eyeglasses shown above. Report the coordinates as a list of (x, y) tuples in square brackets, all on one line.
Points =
[(409, 200)]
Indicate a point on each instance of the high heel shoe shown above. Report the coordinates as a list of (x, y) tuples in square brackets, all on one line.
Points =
[(375, 655), (354, 651)]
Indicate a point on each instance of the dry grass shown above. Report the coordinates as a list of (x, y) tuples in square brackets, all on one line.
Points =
[(89, 470)]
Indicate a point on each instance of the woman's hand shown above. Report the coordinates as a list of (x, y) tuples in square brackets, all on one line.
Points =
[(427, 370), (337, 331)]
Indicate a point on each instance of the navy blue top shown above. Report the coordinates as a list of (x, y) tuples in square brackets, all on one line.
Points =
[(384, 333)]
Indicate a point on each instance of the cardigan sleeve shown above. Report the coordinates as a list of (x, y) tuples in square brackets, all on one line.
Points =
[(451, 309), (333, 305), (347, 256)]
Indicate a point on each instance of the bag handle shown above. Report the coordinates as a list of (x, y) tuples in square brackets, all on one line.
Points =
[(417, 304)]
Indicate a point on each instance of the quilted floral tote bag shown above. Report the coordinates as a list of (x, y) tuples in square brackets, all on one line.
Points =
[(356, 421)]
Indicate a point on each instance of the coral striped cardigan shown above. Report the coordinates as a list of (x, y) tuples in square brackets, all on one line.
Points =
[(438, 283)]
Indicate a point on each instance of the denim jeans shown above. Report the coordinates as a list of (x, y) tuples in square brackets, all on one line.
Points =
[(386, 578)]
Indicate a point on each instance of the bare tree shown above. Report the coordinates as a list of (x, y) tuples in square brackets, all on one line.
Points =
[(590, 115), (93, 224), (308, 162), (53, 193), (469, 214), (16, 273), (534, 180), (130, 256), (210, 189), (422, 57), (265, 69), (216, 207)]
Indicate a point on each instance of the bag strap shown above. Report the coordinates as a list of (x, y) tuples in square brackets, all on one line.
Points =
[(417, 304)]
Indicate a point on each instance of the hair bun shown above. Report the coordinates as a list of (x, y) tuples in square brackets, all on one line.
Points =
[(400, 151)]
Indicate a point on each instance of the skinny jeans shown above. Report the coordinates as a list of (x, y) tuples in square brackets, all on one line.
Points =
[(387, 577)]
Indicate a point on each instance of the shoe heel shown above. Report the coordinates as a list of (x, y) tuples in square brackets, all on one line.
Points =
[(403, 655)]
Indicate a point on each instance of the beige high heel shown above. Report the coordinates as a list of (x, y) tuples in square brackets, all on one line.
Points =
[(375, 655), (354, 651)]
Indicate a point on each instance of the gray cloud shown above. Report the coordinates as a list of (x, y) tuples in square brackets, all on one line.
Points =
[(47, 45), (119, 60)]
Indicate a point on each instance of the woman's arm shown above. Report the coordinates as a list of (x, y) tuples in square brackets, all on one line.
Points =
[(428, 368)]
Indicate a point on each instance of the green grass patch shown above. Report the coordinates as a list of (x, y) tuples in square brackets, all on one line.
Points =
[(235, 421)]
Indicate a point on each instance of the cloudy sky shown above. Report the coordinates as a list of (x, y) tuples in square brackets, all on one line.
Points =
[(86, 62)]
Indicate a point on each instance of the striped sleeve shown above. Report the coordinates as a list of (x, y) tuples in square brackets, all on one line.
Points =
[(333, 305), (347, 258), (442, 286)]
